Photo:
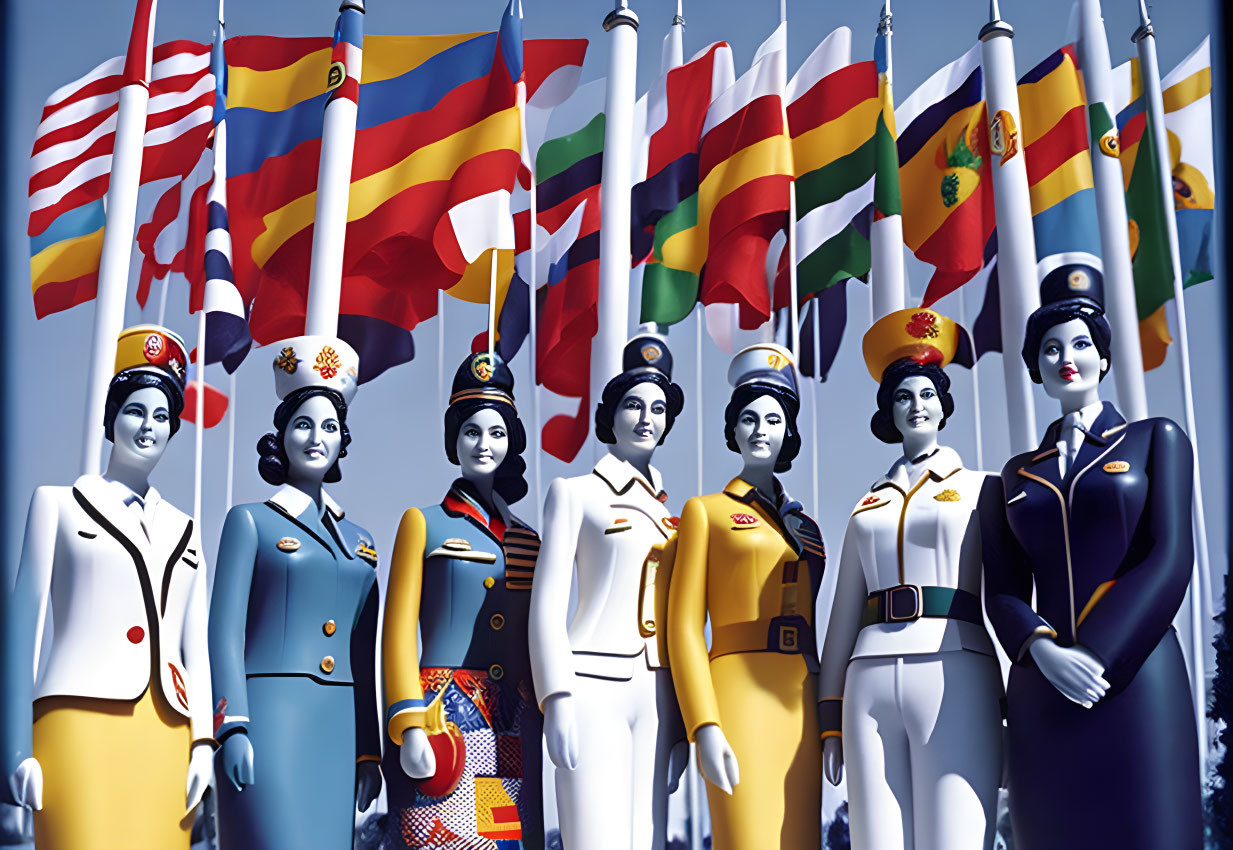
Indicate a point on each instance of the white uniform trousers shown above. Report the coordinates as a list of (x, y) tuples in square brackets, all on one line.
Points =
[(922, 744), (617, 796)]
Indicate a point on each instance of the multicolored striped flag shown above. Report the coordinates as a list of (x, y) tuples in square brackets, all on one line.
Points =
[(945, 178), (70, 163), (744, 181), (1151, 253), (347, 55), (665, 204)]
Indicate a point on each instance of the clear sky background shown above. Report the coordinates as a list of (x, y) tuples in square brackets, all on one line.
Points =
[(397, 459)]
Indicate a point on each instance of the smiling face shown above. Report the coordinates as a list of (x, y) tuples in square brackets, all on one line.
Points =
[(1070, 364), (916, 407), (313, 439), (483, 443), (760, 430), (142, 427), (641, 418)]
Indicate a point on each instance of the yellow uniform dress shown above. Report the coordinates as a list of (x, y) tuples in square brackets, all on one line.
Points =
[(755, 568)]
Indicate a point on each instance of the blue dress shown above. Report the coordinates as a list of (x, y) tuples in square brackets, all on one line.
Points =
[(293, 624), (1108, 548)]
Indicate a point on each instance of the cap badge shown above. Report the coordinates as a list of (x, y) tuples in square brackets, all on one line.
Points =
[(1115, 466), (1079, 281), (651, 353), (154, 347), (286, 360), (923, 326), (776, 361), (288, 544), (947, 496), (328, 363), (481, 367), (744, 519)]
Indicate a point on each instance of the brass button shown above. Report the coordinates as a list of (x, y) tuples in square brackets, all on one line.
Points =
[(489, 581), (327, 664), (329, 628), (497, 622), (496, 672)]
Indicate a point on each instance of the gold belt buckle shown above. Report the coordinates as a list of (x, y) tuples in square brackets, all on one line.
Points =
[(788, 639)]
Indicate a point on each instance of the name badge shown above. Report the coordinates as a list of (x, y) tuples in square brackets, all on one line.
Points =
[(1115, 466)]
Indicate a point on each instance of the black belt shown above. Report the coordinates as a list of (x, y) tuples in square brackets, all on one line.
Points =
[(907, 602)]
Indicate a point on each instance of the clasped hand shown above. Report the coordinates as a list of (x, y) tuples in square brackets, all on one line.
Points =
[(1077, 674)]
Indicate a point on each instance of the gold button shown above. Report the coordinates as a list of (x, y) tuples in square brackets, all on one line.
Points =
[(496, 672), (327, 664), (497, 622), (329, 628), (489, 582)]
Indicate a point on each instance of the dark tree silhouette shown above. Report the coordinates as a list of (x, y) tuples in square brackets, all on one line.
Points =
[(1220, 710), (837, 837)]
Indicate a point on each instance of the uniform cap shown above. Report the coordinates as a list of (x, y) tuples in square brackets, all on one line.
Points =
[(765, 363), (316, 361), (647, 351), (918, 333), (483, 375), (153, 348)]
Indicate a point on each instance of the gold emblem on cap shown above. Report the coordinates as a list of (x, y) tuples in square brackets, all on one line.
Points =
[(776, 361), (481, 368), (651, 353), (1079, 281), (328, 363), (286, 360), (947, 496), (289, 544), (1115, 466)]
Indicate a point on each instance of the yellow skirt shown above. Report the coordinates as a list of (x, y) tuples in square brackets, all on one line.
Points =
[(114, 773), (768, 713)]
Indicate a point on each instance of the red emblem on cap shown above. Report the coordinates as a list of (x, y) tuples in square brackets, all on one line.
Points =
[(154, 347), (328, 363), (923, 326), (744, 519)]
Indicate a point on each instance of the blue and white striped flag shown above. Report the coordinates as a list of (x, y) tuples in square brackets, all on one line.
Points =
[(227, 337)]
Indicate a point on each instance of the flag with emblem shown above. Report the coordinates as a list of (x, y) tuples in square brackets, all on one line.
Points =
[(945, 178)]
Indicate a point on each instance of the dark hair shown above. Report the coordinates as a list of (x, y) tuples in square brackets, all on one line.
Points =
[(743, 396), (129, 381), (615, 390), (273, 463), (883, 422), (510, 481), (1060, 312)]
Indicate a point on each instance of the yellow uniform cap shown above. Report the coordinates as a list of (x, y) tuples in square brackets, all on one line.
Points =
[(920, 334)]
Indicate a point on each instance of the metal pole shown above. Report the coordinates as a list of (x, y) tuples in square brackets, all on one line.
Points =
[(441, 396), (231, 405), (1020, 293), (794, 318), (980, 448), (1145, 41), (887, 283), (333, 195), (813, 400), (532, 356), (614, 249), (117, 247), (492, 304), (1111, 204), (199, 412)]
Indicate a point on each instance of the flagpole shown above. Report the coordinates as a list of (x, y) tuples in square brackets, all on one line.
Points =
[(492, 305), (1020, 293), (794, 316), (334, 188), (231, 405), (1145, 40), (119, 229), (963, 320), (887, 287), (532, 357), (1119, 283), (162, 299), (614, 247), (813, 399), (441, 348), (199, 412)]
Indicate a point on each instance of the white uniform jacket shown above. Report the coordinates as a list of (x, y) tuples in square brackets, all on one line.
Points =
[(126, 588), (924, 533), (598, 530)]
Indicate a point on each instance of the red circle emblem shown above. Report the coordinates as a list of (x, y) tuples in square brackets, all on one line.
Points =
[(923, 326), (136, 634)]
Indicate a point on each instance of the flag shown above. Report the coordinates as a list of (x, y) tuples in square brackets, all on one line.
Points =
[(831, 305), (744, 180), (834, 116), (945, 178), (1188, 118), (438, 126), (346, 55), (1151, 254), (215, 407), (665, 204), (71, 161)]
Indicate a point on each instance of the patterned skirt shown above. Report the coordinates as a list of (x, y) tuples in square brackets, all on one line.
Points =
[(498, 802)]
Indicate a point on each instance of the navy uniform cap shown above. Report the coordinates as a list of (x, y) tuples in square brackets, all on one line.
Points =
[(483, 375), (647, 351), (1072, 275)]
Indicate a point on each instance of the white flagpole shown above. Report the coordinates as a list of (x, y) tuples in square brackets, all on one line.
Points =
[(162, 299), (1145, 40), (1114, 230), (813, 400), (963, 320), (492, 304), (231, 405), (199, 412), (1020, 291), (887, 288), (532, 356), (333, 196), (621, 24), (794, 318), (121, 223), (441, 397)]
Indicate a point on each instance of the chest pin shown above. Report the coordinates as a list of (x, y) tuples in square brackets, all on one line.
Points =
[(289, 544), (1115, 466)]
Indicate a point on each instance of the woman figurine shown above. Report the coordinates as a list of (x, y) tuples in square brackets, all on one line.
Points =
[(121, 689), (1101, 735), (909, 674), (461, 714), (610, 717), (293, 623), (750, 559)]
